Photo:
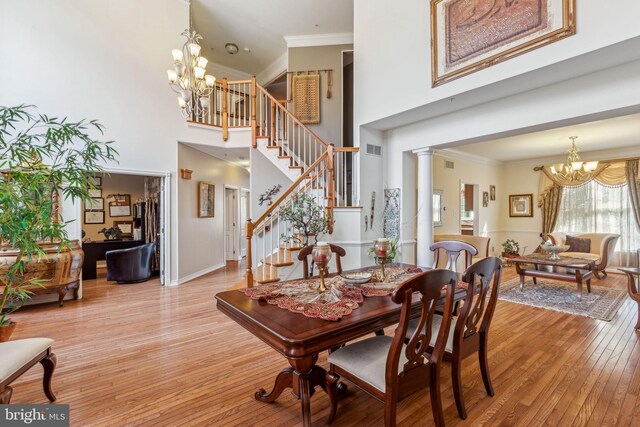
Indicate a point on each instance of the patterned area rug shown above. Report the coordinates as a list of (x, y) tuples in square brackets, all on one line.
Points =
[(602, 303)]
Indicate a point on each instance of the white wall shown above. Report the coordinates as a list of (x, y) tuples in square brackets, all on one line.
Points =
[(103, 60), (392, 47), (201, 239), (264, 175)]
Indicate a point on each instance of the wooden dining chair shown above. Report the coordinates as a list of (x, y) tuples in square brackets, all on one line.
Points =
[(388, 369), (452, 249), (305, 253)]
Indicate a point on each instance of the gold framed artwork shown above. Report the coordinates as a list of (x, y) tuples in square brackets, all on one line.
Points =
[(206, 200), (126, 227), (521, 205), (469, 35)]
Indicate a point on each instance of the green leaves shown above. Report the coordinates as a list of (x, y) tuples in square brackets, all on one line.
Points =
[(306, 218), (42, 159)]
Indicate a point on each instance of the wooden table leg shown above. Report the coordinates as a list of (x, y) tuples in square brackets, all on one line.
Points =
[(302, 377), (579, 282), (521, 274)]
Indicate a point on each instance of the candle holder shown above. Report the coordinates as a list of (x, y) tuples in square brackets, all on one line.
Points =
[(382, 249), (321, 256)]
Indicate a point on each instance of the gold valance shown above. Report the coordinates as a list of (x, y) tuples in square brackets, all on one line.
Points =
[(611, 173)]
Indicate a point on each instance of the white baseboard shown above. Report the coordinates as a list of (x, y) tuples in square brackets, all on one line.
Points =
[(197, 274)]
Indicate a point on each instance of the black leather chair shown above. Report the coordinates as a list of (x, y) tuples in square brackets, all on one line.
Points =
[(131, 265)]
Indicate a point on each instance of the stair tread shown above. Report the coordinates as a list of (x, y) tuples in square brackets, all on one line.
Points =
[(296, 167), (273, 146), (264, 282)]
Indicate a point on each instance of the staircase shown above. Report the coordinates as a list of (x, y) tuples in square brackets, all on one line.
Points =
[(318, 170)]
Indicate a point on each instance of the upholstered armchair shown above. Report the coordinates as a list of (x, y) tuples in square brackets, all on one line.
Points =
[(602, 248), (131, 265)]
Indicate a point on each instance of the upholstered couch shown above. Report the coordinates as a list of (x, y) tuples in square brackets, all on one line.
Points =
[(478, 242), (602, 247)]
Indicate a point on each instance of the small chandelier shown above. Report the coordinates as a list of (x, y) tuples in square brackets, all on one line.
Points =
[(188, 78), (574, 169)]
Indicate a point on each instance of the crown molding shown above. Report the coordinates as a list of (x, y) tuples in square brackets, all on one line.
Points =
[(319, 39), (273, 70), (599, 155), (451, 153)]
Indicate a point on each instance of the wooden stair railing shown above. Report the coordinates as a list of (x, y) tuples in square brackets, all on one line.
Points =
[(328, 173)]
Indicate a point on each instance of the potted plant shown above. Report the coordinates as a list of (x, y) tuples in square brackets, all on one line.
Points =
[(307, 219), (42, 159), (510, 249)]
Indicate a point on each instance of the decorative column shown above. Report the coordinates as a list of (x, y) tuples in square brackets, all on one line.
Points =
[(425, 207)]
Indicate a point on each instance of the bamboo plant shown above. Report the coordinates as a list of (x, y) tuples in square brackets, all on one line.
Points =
[(42, 159)]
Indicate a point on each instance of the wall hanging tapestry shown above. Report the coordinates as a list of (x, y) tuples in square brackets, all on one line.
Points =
[(469, 35), (391, 215), (306, 98)]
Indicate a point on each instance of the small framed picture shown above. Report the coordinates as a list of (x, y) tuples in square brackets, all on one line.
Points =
[(485, 199), (492, 192), (120, 206), (521, 205), (94, 217), (126, 227), (95, 181), (95, 192), (206, 200), (96, 204)]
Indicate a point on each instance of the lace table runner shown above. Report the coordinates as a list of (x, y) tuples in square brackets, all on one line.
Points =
[(302, 296)]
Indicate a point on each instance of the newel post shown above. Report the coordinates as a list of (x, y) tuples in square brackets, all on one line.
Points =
[(254, 125), (225, 114), (249, 271), (331, 185)]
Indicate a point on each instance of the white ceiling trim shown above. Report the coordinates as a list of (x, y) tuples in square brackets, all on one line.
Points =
[(273, 70), (608, 154), (229, 72), (453, 154), (319, 39)]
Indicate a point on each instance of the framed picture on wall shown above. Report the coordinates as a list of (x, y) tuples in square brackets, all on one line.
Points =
[(94, 217), (521, 205), (485, 199), (206, 200), (95, 192), (120, 206), (95, 204), (95, 181), (469, 36), (492, 192), (126, 227)]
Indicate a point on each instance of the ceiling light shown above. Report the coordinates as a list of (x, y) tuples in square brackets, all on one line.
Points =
[(574, 169), (231, 48)]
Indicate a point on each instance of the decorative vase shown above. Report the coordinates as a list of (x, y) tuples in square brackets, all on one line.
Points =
[(6, 331), (321, 256), (382, 249)]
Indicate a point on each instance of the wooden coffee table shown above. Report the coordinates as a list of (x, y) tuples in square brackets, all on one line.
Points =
[(567, 269)]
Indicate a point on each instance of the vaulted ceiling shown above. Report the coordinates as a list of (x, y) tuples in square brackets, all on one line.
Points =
[(261, 26)]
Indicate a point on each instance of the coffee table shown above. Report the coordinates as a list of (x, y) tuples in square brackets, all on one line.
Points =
[(567, 269)]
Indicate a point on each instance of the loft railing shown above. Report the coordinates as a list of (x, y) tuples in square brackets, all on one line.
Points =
[(328, 173)]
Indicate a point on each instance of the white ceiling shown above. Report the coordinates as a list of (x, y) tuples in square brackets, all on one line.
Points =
[(236, 156), (616, 133), (262, 25)]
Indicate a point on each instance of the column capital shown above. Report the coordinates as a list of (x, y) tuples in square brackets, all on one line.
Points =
[(428, 151)]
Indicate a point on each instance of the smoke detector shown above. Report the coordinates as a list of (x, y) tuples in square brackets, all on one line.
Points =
[(231, 48)]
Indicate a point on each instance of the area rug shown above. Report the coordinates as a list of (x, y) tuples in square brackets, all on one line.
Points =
[(602, 303)]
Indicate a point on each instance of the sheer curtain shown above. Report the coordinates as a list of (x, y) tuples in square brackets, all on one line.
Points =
[(597, 208)]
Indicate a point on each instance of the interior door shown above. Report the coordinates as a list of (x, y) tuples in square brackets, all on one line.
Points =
[(244, 211), (231, 224)]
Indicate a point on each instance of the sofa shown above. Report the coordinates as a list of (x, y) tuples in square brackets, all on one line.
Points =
[(602, 248), (479, 242)]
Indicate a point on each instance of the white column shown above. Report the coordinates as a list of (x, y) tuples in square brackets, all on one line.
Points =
[(425, 207)]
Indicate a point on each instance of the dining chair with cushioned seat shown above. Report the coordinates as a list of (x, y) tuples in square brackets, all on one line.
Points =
[(470, 331), (305, 252), (387, 368)]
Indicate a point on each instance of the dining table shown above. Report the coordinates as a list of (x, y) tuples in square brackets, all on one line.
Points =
[(300, 339)]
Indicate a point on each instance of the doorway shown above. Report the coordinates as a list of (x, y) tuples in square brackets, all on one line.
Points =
[(231, 224), (469, 208), (245, 203), (347, 98)]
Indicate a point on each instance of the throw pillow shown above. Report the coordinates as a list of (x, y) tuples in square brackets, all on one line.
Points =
[(579, 244)]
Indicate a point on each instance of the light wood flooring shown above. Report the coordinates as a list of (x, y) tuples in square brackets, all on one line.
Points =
[(144, 354)]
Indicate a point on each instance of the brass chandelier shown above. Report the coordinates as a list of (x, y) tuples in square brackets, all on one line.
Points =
[(573, 169)]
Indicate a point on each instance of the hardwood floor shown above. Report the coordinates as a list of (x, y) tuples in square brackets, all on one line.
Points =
[(143, 354)]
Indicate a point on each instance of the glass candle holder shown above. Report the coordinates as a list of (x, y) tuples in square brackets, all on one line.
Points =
[(382, 249), (321, 256)]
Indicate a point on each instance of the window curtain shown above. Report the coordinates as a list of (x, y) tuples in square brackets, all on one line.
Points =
[(550, 204), (634, 188), (597, 208)]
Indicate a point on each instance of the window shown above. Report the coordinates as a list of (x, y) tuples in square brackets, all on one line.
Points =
[(597, 208)]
